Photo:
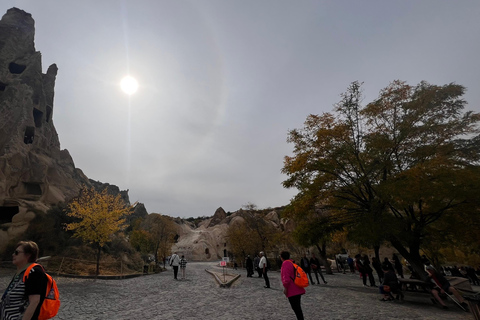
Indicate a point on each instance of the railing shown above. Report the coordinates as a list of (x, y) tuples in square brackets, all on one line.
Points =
[(79, 267)]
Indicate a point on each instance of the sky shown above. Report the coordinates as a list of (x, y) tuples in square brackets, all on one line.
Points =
[(221, 83)]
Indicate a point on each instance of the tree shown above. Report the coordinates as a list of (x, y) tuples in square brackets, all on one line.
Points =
[(402, 163), (99, 216), (162, 231), (237, 234)]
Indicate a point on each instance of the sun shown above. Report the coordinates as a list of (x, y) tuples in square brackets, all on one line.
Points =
[(129, 85)]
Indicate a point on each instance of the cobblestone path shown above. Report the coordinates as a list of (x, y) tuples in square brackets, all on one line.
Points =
[(159, 296)]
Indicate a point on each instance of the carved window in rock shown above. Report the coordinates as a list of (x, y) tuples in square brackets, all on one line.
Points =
[(33, 188), (29, 135), (16, 68), (7, 213), (49, 113), (37, 117), (207, 251)]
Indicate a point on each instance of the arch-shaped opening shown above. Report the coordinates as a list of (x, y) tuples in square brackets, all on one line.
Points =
[(16, 68), (3, 86), (49, 113), (207, 251), (37, 117), (225, 252), (29, 135), (33, 188), (7, 213)]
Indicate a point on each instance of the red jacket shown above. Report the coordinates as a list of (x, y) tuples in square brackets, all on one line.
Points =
[(288, 276)]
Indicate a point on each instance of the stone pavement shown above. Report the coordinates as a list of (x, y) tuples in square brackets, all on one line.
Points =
[(158, 296)]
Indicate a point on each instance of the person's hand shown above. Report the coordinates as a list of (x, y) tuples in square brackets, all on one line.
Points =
[(442, 291), (285, 291)]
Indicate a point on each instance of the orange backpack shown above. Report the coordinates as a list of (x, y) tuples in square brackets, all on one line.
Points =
[(51, 304), (301, 279)]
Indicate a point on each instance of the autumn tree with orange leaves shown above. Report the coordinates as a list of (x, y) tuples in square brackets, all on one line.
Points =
[(98, 216), (393, 170)]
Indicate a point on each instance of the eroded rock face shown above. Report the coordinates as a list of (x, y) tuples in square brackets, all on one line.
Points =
[(208, 241), (34, 172)]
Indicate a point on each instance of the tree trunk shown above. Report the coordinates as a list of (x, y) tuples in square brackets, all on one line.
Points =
[(323, 256), (412, 256), (97, 272), (377, 252)]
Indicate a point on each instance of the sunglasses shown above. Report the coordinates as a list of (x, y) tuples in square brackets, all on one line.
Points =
[(16, 252)]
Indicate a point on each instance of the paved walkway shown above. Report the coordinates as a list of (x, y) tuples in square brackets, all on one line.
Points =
[(158, 296)]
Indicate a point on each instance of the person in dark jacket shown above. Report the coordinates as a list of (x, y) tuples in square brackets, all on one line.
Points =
[(315, 265), (390, 285), (305, 265), (398, 265), (368, 271), (386, 264), (249, 266), (378, 268)]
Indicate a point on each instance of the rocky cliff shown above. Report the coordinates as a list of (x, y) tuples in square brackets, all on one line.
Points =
[(34, 172), (208, 241)]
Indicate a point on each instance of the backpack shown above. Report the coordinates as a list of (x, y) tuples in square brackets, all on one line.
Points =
[(301, 279), (51, 304)]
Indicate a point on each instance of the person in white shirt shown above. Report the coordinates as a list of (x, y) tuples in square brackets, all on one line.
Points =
[(175, 262), (262, 265)]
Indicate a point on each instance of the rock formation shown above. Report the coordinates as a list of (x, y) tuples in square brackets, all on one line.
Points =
[(34, 172), (208, 241)]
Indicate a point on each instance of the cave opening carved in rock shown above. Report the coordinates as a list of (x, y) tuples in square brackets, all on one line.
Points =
[(7, 213), (37, 117), (29, 135), (33, 188), (16, 68), (3, 86)]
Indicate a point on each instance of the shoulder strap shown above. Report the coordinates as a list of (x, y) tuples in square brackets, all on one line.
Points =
[(27, 271)]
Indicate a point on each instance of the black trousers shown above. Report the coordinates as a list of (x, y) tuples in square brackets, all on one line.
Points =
[(267, 281), (296, 306), (175, 272)]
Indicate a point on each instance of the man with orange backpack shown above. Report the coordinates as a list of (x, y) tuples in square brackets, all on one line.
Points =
[(24, 296), (291, 290)]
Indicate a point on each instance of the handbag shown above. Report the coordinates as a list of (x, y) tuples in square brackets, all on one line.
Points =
[(386, 288)]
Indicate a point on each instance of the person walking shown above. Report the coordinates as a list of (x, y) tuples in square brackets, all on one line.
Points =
[(183, 266), (256, 262), (290, 289), (317, 269), (351, 264), (249, 266), (23, 300), (305, 265), (263, 265), (174, 263)]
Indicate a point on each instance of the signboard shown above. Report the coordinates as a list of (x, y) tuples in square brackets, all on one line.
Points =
[(227, 259), (223, 263)]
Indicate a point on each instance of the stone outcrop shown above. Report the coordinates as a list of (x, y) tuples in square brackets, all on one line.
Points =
[(218, 217), (208, 241), (34, 172)]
